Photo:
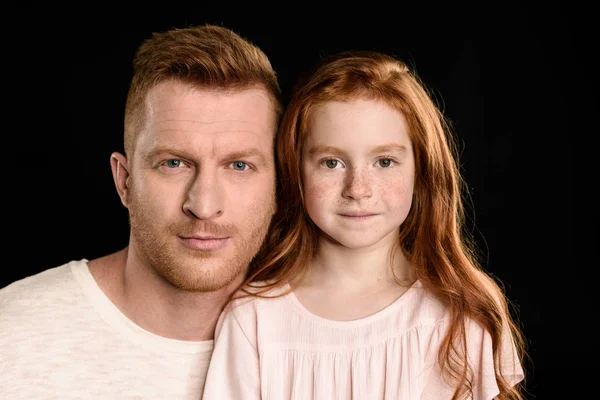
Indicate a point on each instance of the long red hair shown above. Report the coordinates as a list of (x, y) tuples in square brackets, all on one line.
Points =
[(433, 236)]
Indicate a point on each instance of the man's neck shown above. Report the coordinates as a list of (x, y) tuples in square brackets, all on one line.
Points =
[(156, 305)]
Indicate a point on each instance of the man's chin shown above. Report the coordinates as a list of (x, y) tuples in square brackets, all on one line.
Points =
[(205, 286), (209, 278)]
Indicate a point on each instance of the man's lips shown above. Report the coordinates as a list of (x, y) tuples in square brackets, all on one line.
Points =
[(204, 242)]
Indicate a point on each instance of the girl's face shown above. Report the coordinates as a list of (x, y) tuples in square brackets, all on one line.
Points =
[(358, 172)]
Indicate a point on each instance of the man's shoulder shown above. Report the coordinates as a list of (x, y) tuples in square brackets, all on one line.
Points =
[(42, 286)]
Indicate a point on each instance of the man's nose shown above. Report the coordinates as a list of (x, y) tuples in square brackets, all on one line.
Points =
[(204, 198)]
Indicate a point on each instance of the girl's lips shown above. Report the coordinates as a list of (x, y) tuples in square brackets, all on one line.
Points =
[(356, 214)]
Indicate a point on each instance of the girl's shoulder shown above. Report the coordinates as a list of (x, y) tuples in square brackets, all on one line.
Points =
[(262, 290), (256, 295), (258, 303)]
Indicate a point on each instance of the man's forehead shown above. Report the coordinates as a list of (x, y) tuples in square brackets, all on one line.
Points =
[(225, 138), (214, 139), (173, 99), (182, 116), (232, 129)]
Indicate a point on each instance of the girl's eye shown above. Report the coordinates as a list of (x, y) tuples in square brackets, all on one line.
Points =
[(331, 163), (385, 162), (173, 163), (239, 165)]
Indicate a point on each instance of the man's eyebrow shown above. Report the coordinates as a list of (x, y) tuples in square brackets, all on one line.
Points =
[(166, 150), (234, 155), (247, 153)]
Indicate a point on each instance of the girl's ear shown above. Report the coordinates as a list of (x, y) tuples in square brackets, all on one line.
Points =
[(120, 172)]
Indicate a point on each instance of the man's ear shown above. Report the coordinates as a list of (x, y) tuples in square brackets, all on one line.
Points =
[(120, 172)]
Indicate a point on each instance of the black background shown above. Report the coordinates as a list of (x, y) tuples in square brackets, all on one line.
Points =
[(515, 80)]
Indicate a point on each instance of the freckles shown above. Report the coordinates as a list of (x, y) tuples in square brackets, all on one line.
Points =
[(398, 184), (320, 190), (396, 191)]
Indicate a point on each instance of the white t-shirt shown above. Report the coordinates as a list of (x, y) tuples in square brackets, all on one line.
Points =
[(62, 338)]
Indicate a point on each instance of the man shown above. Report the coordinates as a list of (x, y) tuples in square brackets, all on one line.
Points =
[(198, 180)]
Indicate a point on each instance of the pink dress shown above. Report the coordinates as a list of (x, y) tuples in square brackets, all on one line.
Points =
[(275, 349)]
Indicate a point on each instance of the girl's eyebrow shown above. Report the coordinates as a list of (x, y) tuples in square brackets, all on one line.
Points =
[(384, 148), (389, 148), (318, 149)]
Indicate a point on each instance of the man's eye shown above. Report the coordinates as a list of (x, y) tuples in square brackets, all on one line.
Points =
[(239, 165), (173, 163)]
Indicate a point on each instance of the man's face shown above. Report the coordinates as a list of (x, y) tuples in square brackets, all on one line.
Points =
[(201, 190)]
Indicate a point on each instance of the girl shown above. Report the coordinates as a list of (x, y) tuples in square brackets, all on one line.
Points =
[(368, 287)]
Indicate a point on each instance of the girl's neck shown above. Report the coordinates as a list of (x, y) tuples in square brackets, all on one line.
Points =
[(343, 284), (358, 270)]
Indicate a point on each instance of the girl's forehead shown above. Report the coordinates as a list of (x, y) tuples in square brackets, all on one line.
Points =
[(369, 122)]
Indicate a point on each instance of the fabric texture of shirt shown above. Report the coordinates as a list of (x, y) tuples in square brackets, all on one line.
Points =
[(274, 349), (62, 338)]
